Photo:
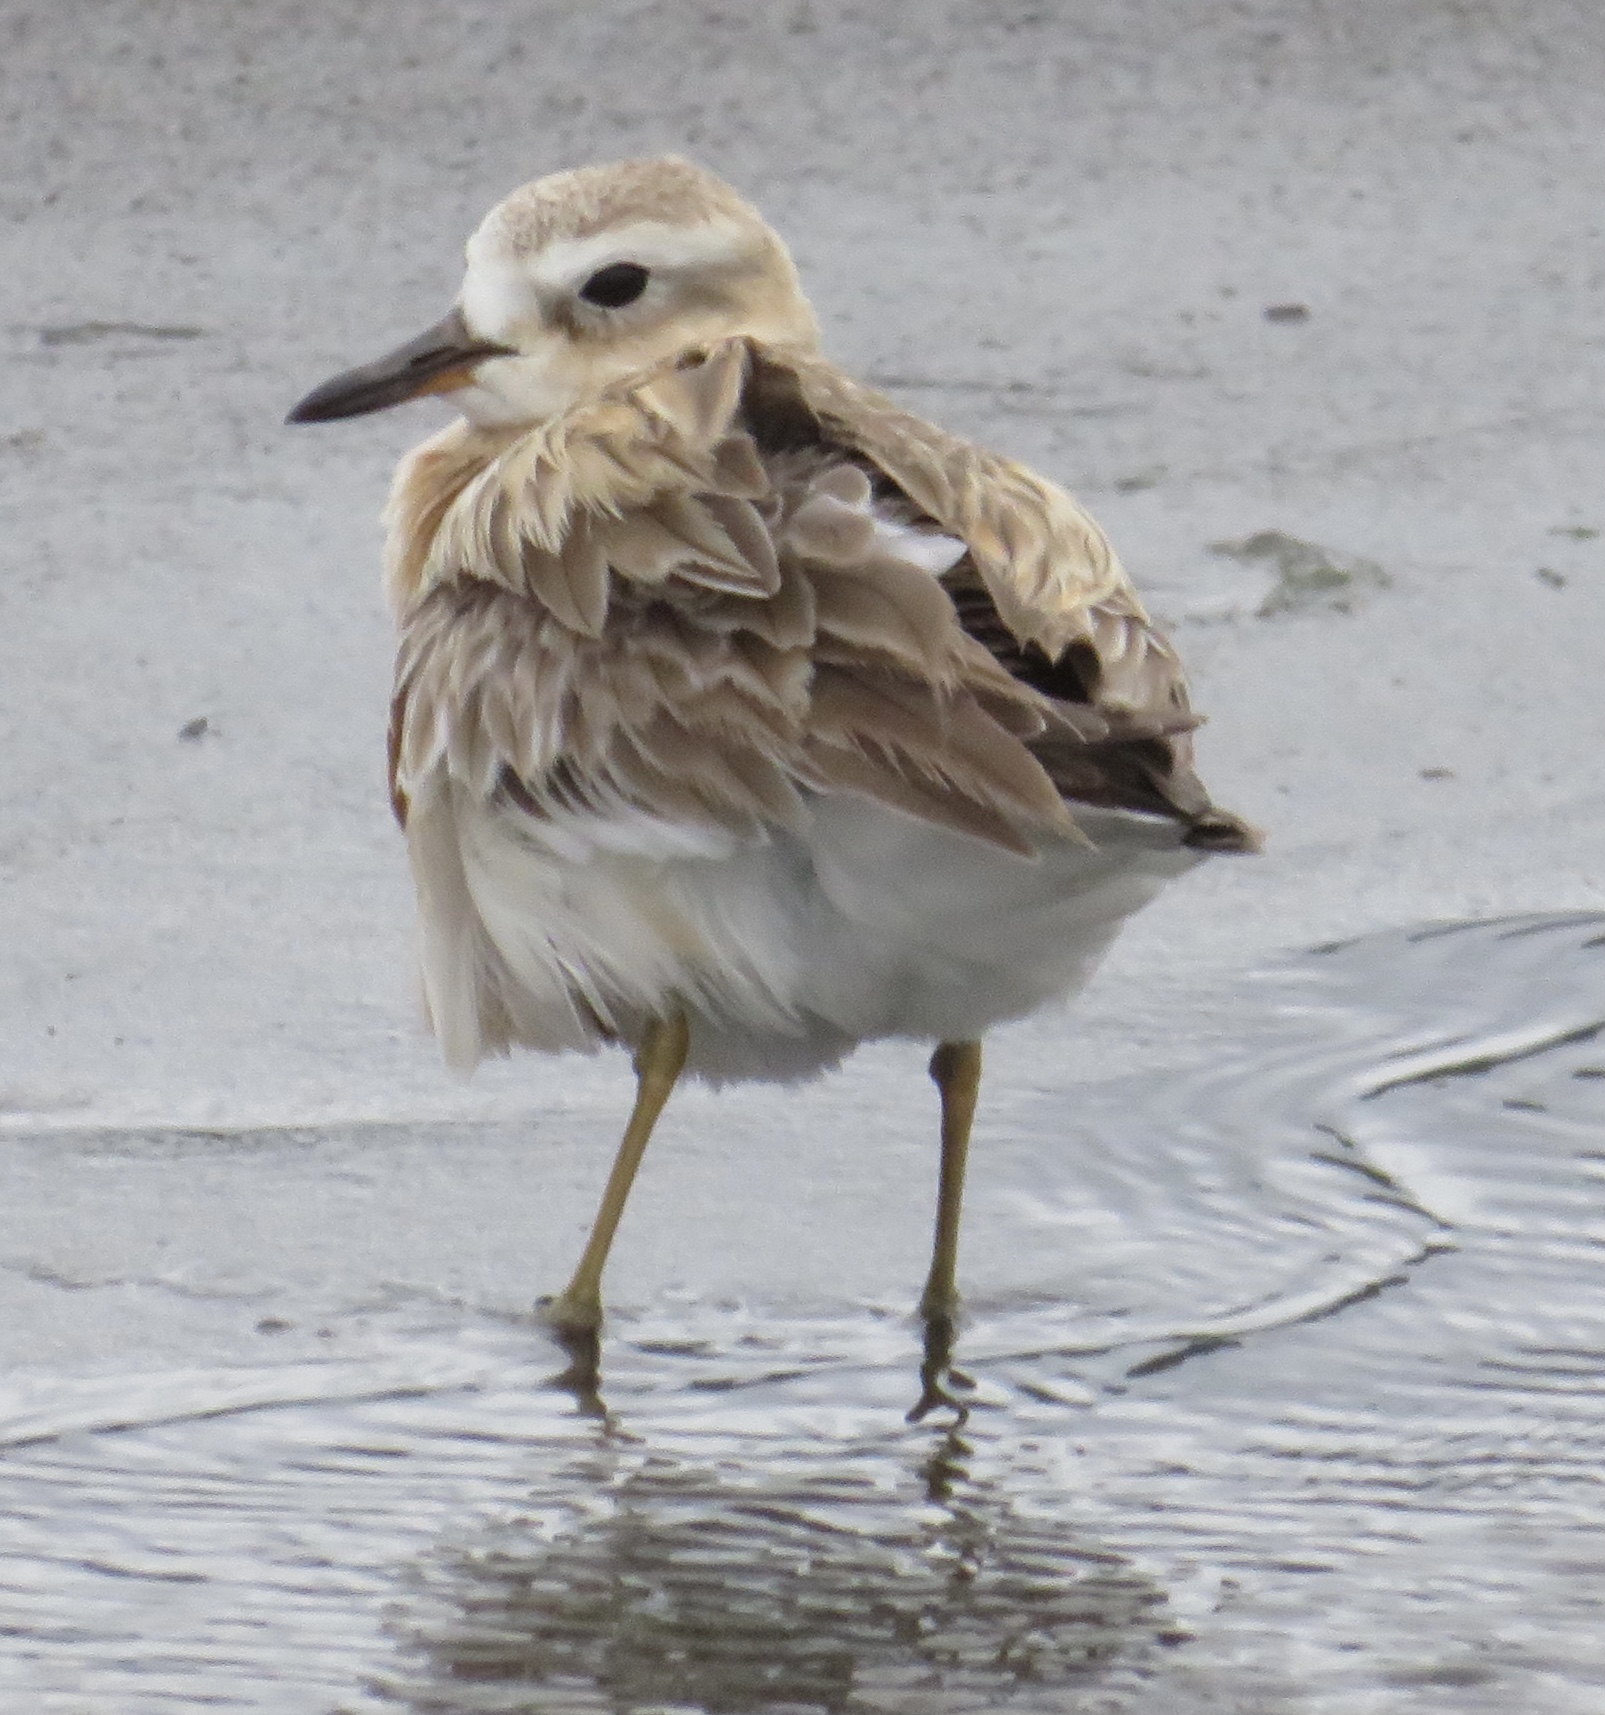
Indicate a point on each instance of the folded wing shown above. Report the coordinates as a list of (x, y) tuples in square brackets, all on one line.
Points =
[(747, 581)]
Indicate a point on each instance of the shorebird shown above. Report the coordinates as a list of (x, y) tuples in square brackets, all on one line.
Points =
[(742, 716)]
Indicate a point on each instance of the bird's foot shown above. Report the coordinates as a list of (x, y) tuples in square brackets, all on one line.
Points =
[(577, 1326), (571, 1316), (937, 1375)]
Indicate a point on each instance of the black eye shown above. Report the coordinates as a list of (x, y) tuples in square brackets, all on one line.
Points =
[(617, 284)]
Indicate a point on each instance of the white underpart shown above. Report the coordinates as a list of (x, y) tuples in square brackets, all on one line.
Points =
[(785, 949)]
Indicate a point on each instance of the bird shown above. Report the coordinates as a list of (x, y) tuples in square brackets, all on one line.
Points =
[(742, 716)]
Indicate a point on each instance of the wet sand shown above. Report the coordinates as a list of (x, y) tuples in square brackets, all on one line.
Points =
[(1287, 1396)]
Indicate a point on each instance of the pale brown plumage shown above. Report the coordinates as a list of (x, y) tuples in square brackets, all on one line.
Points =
[(677, 599), (740, 714)]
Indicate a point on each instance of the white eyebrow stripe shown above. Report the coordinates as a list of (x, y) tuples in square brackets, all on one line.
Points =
[(569, 262)]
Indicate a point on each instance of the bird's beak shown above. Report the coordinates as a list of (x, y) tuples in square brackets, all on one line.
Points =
[(440, 360)]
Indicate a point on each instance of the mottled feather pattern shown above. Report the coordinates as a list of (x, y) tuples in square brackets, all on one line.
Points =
[(638, 567), (745, 633), (1044, 561), (648, 641)]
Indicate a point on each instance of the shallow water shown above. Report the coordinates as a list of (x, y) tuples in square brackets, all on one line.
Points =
[(1289, 1396)]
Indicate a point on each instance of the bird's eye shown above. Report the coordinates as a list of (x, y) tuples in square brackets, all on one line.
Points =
[(617, 284)]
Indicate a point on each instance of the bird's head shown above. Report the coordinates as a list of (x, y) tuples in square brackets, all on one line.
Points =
[(578, 282)]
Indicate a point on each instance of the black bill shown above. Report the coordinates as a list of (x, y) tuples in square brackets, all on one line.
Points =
[(439, 360)]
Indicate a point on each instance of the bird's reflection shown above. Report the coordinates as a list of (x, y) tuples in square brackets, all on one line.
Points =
[(946, 1468), (766, 1572), (582, 1375)]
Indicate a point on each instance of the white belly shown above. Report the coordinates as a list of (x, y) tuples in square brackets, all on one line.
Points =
[(786, 952)]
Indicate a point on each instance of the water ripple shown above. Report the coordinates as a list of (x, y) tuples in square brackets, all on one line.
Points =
[(1290, 1396)]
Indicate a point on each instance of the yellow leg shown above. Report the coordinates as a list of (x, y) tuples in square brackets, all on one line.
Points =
[(956, 1070), (577, 1310)]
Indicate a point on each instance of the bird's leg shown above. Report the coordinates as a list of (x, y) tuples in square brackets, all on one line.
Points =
[(956, 1071), (577, 1311)]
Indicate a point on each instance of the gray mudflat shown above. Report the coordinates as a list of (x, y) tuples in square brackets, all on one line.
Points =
[(1283, 1276)]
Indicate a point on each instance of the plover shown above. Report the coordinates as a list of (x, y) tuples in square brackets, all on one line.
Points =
[(742, 716)]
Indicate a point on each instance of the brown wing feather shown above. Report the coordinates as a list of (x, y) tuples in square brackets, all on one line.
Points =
[(734, 653), (684, 604), (1044, 561), (1040, 590)]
